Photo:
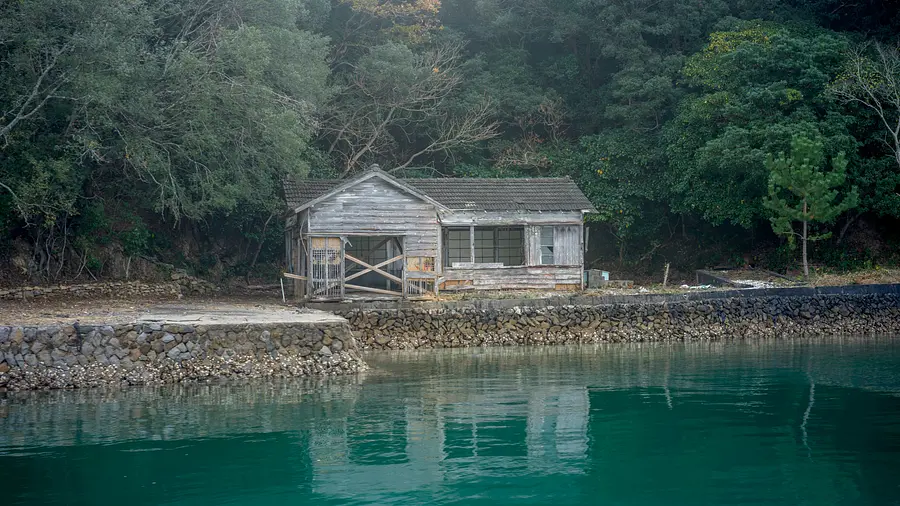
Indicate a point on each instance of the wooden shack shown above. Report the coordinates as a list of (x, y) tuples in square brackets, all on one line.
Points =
[(379, 235)]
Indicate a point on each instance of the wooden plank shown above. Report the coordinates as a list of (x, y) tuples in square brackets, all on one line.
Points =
[(566, 245), (582, 249), (439, 255), (329, 284), (472, 243), (403, 285), (373, 268), (536, 277), (343, 266), (374, 207), (300, 288), (382, 264), (510, 218), (294, 276), (373, 290), (533, 245)]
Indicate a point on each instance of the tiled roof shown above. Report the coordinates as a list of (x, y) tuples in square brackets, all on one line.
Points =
[(511, 194), (297, 193), (477, 194)]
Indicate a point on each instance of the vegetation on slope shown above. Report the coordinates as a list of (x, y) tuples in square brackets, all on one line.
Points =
[(157, 131)]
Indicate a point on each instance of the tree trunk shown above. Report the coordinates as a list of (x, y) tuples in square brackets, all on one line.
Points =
[(805, 230), (262, 240), (850, 219)]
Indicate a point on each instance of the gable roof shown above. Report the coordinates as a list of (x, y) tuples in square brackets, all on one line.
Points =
[(335, 186), (470, 194), (511, 194)]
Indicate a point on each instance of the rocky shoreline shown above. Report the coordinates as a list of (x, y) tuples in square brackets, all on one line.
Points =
[(282, 343), (722, 318), (156, 353)]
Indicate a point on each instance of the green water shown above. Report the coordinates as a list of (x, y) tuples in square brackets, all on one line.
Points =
[(795, 422)]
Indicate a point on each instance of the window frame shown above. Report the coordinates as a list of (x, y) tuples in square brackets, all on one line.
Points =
[(448, 260), (550, 250), (509, 248)]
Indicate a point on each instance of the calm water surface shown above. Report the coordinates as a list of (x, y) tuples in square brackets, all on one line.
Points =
[(789, 422)]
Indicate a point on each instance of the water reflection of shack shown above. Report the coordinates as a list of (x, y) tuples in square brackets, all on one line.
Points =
[(412, 447)]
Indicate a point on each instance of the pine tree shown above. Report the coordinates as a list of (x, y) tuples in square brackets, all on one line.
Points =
[(800, 191)]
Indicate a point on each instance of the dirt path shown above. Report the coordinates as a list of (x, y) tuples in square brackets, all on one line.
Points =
[(202, 310)]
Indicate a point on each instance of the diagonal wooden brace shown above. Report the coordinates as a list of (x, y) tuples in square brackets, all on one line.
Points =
[(373, 268)]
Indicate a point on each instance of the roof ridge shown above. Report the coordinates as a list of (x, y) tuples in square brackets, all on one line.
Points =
[(461, 193), (450, 178)]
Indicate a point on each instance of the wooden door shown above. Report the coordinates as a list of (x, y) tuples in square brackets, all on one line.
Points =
[(326, 267)]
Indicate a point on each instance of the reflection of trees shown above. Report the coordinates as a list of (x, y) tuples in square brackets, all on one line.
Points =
[(586, 417)]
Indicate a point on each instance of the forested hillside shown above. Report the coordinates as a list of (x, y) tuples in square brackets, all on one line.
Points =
[(706, 132)]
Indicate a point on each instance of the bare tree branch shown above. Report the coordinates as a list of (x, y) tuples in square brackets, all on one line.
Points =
[(871, 78), (39, 95), (474, 127), (379, 113)]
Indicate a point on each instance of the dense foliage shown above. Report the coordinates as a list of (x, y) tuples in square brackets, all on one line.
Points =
[(160, 129)]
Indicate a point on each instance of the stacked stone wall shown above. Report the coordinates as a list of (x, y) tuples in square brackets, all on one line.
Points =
[(671, 320), (157, 353), (181, 284)]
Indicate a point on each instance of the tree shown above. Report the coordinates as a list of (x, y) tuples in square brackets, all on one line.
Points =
[(755, 86), (189, 109), (800, 191), (871, 78), (395, 108)]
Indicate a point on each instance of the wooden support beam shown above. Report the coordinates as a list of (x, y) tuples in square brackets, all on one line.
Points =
[(329, 284), (373, 290), (343, 264), (294, 276), (403, 285), (373, 268)]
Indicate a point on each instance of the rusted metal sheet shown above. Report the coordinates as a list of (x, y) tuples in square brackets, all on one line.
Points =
[(374, 207)]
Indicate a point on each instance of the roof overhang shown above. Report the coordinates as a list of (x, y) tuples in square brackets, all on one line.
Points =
[(374, 173)]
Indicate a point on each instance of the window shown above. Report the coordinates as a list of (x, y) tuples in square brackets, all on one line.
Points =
[(484, 245), (504, 245), (456, 245), (511, 246), (547, 257)]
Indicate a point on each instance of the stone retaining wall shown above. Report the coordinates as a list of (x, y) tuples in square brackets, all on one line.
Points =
[(181, 284), (155, 353), (673, 318)]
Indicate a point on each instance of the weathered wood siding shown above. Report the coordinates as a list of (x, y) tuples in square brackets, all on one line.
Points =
[(375, 207), (567, 245), (512, 278), (511, 218), (568, 248), (533, 245)]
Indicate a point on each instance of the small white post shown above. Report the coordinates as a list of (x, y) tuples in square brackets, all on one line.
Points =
[(283, 299), (666, 276)]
